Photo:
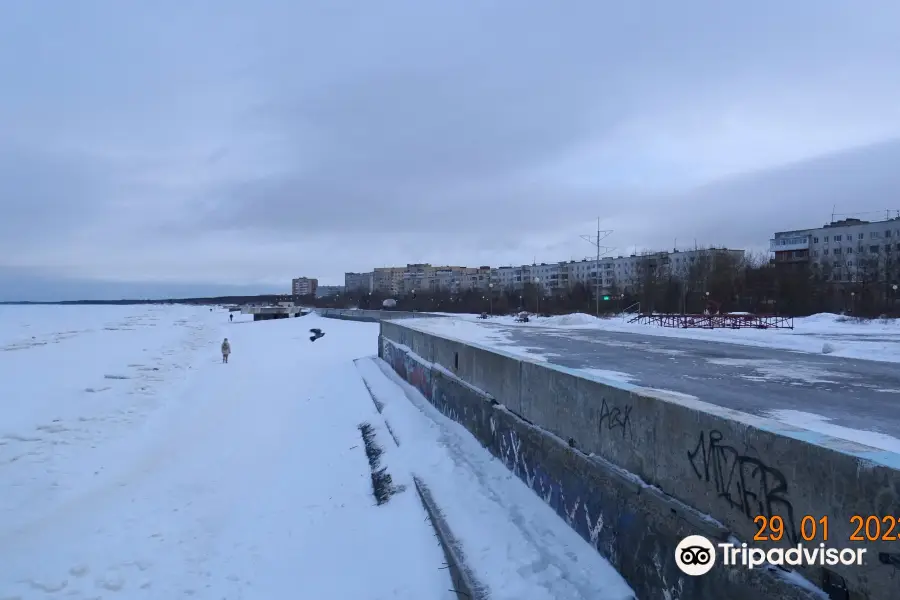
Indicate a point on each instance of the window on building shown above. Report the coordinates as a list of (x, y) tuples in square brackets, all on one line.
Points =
[(825, 252), (837, 251), (815, 253), (873, 249), (837, 238), (849, 263), (825, 239), (887, 233), (849, 249), (836, 263), (874, 235), (815, 240)]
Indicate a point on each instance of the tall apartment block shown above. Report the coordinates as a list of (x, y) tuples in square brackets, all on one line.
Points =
[(304, 286), (354, 282)]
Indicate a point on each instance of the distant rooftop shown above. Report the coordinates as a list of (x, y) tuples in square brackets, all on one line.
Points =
[(846, 222)]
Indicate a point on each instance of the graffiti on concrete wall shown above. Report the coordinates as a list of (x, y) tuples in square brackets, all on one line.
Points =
[(585, 517), (610, 526), (615, 419), (440, 401), (393, 356), (745, 482), (407, 367), (419, 376)]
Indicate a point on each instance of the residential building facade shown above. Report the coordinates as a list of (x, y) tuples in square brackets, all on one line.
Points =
[(304, 286), (323, 291), (354, 282), (844, 251), (621, 273), (613, 274), (387, 280)]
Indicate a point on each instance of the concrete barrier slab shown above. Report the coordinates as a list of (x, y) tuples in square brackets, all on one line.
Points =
[(734, 467)]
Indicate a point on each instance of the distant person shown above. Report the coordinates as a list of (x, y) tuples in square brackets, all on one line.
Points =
[(231, 317), (226, 350)]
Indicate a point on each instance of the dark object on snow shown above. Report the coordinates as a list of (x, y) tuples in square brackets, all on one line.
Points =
[(316, 334), (382, 484), (483, 315)]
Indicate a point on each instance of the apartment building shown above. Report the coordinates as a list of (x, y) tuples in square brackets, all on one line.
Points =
[(549, 277), (478, 278), (845, 251), (387, 280), (425, 277), (359, 281), (415, 277), (324, 291), (447, 278), (623, 273), (613, 273), (304, 286)]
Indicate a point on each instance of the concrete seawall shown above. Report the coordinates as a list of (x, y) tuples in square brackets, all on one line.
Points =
[(371, 316), (634, 471)]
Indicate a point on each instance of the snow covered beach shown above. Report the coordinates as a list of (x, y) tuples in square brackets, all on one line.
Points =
[(134, 464)]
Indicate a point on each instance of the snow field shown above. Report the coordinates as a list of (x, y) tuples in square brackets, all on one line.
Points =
[(514, 543), (245, 480), (75, 380)]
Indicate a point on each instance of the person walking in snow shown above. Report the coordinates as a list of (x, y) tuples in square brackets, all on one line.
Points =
[(231, 317), (226, 350)]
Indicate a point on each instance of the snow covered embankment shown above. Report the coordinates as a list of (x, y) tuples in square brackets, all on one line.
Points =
[(515, 544)]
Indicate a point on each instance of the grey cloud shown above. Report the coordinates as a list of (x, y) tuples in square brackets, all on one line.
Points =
[(45, 193), (340, 121), (745, 211), (460, 125)]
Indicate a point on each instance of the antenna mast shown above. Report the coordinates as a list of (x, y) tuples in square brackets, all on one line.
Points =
[(601, 235)]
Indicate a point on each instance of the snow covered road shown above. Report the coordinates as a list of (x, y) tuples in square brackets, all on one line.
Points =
[(849, 398)]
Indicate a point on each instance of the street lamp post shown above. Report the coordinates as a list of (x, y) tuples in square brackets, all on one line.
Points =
[(491, 297), (537, 283), (852, 301)]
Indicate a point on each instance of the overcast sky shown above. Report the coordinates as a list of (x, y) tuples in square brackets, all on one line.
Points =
[(239, 142)]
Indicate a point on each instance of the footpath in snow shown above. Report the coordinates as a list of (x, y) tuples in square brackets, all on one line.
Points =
[(135, 465), (179, 476)]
